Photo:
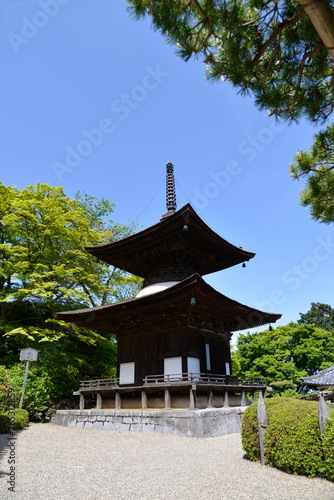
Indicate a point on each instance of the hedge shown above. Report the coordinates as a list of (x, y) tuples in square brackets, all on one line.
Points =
[(6, 420), (293, 441)]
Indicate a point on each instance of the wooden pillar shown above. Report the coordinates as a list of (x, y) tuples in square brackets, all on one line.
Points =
[(117, 401), (167, 399), (226, 405), (254, 396), (243, 398), (210, 398), (192, 399), (143, 400), (264, 392), (82, 402), (98, 401)]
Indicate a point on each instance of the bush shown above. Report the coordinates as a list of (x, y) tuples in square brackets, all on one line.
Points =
[(6, 420), (293, 441), (328, 444)]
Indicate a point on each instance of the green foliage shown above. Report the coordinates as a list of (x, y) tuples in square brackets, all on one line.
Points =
[(320, 315), (269, 49), (286, 353), (45, 268), (249, 433), (284, 387), (328, 445), (6, 418), (316, 168), (60, 366), (292, 440)]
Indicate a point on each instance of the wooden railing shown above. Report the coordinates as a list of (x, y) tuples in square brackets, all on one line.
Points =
[(251, 381), (185, 377), (178, 378), (208, 378), (99, 383)]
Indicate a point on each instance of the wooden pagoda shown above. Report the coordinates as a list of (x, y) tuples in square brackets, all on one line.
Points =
[(174, 336)]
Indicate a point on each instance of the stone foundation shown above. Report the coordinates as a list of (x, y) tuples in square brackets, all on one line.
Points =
[(198, 423)]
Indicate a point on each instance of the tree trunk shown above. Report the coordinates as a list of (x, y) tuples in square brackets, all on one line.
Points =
[(322, 18)]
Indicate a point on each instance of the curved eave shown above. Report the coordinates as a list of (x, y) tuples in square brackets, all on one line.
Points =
[(134, 253), (322, 379), (208, 303)]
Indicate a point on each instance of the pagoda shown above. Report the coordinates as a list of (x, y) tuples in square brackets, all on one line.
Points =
[(174, 337)]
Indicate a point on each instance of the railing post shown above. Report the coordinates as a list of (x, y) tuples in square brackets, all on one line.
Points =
[(143, 400), (98, 401)]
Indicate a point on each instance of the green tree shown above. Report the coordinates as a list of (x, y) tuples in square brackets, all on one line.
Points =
[(44, 268), (44, 265), (320, 315), (285, 353), (268, 48), (317, 168), (279, 51)]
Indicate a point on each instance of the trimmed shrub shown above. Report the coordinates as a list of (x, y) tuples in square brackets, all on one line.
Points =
[(6, 420), (249, 430), (293, 441), (328, 445)]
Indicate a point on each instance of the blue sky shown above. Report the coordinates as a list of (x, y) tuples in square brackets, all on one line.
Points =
[(93, 100)]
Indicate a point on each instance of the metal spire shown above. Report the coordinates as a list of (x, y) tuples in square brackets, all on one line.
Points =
[(170, 188)]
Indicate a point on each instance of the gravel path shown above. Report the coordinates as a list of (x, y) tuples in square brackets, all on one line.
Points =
[(65, 463)]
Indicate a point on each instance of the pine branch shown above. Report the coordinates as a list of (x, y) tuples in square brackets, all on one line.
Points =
[(284, 24)]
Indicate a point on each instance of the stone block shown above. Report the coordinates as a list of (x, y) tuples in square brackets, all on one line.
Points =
[(136, 427), (127, 420), (109, 426), (148, 427), (97, 425)]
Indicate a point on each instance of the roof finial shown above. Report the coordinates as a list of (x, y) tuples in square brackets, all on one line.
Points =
[(170, 188)]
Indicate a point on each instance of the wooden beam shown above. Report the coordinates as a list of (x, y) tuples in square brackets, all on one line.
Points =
[(262, 425), (191, 399), (167, 399), (210, 398), (143, 400), (226, 405), (243, 398), (117, 401)]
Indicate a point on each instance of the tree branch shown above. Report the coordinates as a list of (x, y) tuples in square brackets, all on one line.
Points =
[(284, 24)]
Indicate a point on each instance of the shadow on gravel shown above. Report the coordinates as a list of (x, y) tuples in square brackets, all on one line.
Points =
[(8, 453)]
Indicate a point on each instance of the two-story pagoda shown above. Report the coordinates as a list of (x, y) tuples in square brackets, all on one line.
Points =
[(174, 336)]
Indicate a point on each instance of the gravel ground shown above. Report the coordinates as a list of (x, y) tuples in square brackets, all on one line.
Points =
[(65, 463)]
